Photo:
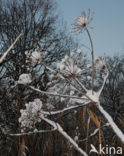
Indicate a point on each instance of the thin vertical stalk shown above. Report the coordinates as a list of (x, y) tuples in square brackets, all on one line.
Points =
[(92, 54)]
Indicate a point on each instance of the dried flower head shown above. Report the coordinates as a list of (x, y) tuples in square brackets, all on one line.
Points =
[(31, 115), (36, 57), (68, 68), (24, 79), (100, 65), (82, 21)]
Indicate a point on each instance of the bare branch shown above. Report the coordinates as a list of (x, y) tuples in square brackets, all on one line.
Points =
[(5, 54)]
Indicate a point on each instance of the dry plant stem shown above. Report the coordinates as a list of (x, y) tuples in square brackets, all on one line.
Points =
[(5, 54), (100, 137), (92, 53), (22, 147), (83, 87), (88, 124), (105, 78)]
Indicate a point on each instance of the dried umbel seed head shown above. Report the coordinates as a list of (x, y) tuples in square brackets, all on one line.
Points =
[(35, 57), (79, 51), (82, 21), (100, 65), (31, 115), (68, 68), (72, 55), (97, 58), (24, 79)]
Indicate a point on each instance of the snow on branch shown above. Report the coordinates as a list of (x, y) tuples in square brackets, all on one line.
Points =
[(62, 132), (105, 78), (34, 132), (113, 125), (95, 132), (65, 109)]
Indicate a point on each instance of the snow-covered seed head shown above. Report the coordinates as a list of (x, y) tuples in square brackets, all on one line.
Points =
[(100, 64), (31, 115), (97, 58), (89, 65), (66, 58), (82, 21), (89, 78), (62, 67), (72, 55), (24, 79), (27, 53), (79, 51), (35, 57), (68, 68)]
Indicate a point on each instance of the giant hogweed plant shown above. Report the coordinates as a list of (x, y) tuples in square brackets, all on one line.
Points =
[(68, 82)]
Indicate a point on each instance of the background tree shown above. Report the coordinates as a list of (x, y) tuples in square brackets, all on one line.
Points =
[(113, 93), (42, 30), (37, 21)]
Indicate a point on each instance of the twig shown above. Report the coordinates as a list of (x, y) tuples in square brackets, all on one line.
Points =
[(5, 54), (30, 133), (83, 87)]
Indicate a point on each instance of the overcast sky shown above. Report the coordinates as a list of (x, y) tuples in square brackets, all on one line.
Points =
[(108, 23)]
